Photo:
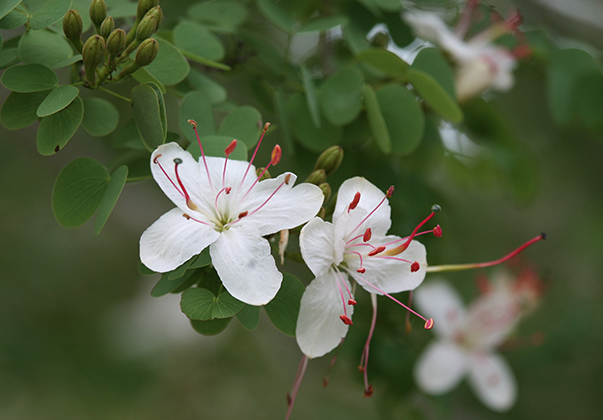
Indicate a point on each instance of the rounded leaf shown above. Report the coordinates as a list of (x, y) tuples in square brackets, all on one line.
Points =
[(223, 15), (51, 12), (56, 129), (79, 191), (432, 62), (279, 13), (27, 78), (58, 99), (214, 92), (147, 114), (110, 196), (196, 106), (19, 109), (213, 327), (311, 98), (313, 138), (284, 308), (435, 96), (46, 47), (169, 67), (197, 40), (100, 117), (13, 19), (215, 146), (202, 305), (7, 5), (341, 96), (249, 317), (243, 124), (376, 120), (384, 61)]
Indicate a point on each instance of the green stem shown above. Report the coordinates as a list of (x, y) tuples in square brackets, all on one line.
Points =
[(115, 94)]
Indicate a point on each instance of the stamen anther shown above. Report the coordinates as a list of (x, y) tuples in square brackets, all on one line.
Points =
[(276, 155), (367, 235), (437, 231), (354, 202), (241, 215), (231, 147), (346, 320), (156, 157), (186, 216), (361, 270), (414, 267), (368, 391), (376, 251), (266, 126), (352, 302), (177, 161), (287, 179), (228, 190), (390, 191), (429, 324), (193, 123)]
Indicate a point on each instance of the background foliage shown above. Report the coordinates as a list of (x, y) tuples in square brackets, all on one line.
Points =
[(81, 338)]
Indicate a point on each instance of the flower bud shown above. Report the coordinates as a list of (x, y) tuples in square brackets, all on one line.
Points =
[(262, 173), (146, 28), (107, 27), (72, 27), (98, 13), (147, 51), (92, 55), (158, 13), (116, 43), (380, 40), (326, 190), (330, 159), (317, 177), (144, 6)]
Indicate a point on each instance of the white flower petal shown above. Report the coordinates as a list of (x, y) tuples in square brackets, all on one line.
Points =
[(491, 319), (441, 367), (319, 328), (438, 300), (195, 183), (370, 197), (245, 265), (316, 245), (289, 207), (172, 240), (389, 274), (493, 381), (233, 178)]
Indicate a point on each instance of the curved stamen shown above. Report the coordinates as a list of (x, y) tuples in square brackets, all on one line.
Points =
[(266, 126), (225, 190), (156, 160), (187, 217), (298, 379), (194, 124), (368, 389), (389, 193), (187, 197), (398, 250), (437, 232), (361, 269)]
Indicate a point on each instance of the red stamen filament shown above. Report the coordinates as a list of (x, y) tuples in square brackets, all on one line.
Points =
[(187, 217), (267, 200), (254, 153), (371, 213), (194, 124), (368, 389), (187, 197), (428, 322), (298, 379), (344, 317), (408, 326), (458, 267), (156, 160), (404, 246)]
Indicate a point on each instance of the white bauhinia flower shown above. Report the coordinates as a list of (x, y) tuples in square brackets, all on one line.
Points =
[(356, 246), (467, 339), (222, 204), (481, 63)]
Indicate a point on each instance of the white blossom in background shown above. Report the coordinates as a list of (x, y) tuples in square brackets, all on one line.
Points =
[(222, 204), (466, 340)]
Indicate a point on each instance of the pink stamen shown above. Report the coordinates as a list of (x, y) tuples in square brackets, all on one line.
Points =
[(156, 160), (428, 322), (194, 124), (276, 157), (361, 269), (296, 383), (227, 152), (368, 389), (187, 217), (408, 326), (398, 250), (266, 126), (223, 190), (346, 320), (390, 191), (437, 231), (189, 202)]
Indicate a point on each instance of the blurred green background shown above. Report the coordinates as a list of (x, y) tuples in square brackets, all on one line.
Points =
[(81, 337)]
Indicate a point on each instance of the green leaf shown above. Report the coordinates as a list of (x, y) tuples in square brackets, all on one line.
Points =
[(204, 61), (315, 139), (129, 137), (376, 120), (223, 15), (196, 39), (215, 146), (283, 310), (121, 8), (100, 117), (202, 260), (196, 106), (110, 197), (384, 61), (78, 191), (341, 96), (322, 24), (214, 92), (55, 130), (249, 317), (167, 285), (162, 110), (45, 47), (435, 96), (7, 5), (143, 76), (27, 78), (244, 124), (58, 99), (432, 62), (180, 271), (403, 117), (283, 117), (169, 67), (51, 12), (8, 57), (19, 109), (310, 92), (213, 327), (202, 305), (147, 114), (279, 13), (13, 19), (83, 7), (389, 5), (137, 162)]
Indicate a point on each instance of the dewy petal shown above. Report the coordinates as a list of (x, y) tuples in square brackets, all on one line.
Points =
[(194, 181), (316, 245), (491, 319), (493, 381), (288, 208), (441, 367), (319, 328), (370, 197), (245, 265), (438, 300), (172, 240), (391, 275)]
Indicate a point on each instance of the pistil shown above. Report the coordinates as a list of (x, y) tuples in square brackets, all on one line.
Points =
[(187, 197), (398, 250)]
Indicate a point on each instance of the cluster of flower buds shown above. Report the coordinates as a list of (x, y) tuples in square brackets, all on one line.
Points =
[(326, 164), (111, 47)]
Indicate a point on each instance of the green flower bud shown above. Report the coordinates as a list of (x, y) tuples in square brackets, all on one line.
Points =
[(321, 213), (158, 13), (116, 43), (330, 159), (146, 28), (98, 13), (380, 40), (146, 52), (92, 55), (144, 6), (317, 177), (107, 27), (72, 27), (326, 190), (262, 173)]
